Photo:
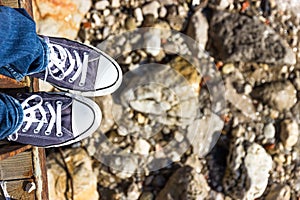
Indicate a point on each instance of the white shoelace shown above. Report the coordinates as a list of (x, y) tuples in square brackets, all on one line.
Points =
[(30, 117), (57, 64), (4, 190)]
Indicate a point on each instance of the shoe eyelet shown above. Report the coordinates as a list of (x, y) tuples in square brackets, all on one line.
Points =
[(58, 103), (61, 76), (81, 84), (36, 131), (71, 80), (60, 134), (47, 132)]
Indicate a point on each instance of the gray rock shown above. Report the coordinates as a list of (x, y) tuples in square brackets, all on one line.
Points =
[(235, 38), (289, 132), (185, 183), (278, 95), (279, 192), (198, 28)]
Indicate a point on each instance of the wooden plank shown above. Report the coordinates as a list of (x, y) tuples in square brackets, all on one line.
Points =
[(11, 3), (40, 173), (17, 167), (8, 150), (16, 190)]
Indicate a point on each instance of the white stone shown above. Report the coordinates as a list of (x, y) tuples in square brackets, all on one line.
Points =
[(101, 5), (195, 2), (163, 12), (289, 133), (138, 14), (106, 12), (141, 146), (258, 164), (151, 8), (115, 3), (269, 131)]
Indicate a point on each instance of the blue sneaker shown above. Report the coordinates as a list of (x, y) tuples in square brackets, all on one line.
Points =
[(56, 119), (77, 68)]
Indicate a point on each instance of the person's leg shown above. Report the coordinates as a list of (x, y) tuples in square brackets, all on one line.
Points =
[(22, 51), (11, 115)]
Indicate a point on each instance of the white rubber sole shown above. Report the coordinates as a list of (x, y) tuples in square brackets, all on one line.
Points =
[(100, 92), (96, 121)]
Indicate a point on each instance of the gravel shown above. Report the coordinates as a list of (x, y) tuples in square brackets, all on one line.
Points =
[(171, 131)]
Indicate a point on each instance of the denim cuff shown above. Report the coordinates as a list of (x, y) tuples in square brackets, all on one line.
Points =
[(9, 71)]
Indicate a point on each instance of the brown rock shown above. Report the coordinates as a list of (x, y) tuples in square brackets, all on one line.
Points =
[(60, 18), (185, 183)]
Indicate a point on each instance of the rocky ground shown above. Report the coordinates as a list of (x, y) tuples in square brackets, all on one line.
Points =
[(190, 125)]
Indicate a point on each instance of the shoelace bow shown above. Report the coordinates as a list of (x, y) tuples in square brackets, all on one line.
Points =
[(57, 64), (30, 117)]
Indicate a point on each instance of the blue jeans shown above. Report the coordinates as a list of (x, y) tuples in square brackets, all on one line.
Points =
[(22, 52)]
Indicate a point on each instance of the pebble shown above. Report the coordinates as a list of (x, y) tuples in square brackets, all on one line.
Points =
[(163, 12), (138, 14), (110, 20), (106, 12), (195, 2), (130, 23), (142, 147), (228, 68), (289, 133), (101, 5), (151, 8), (269, 131), (115, 3)]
